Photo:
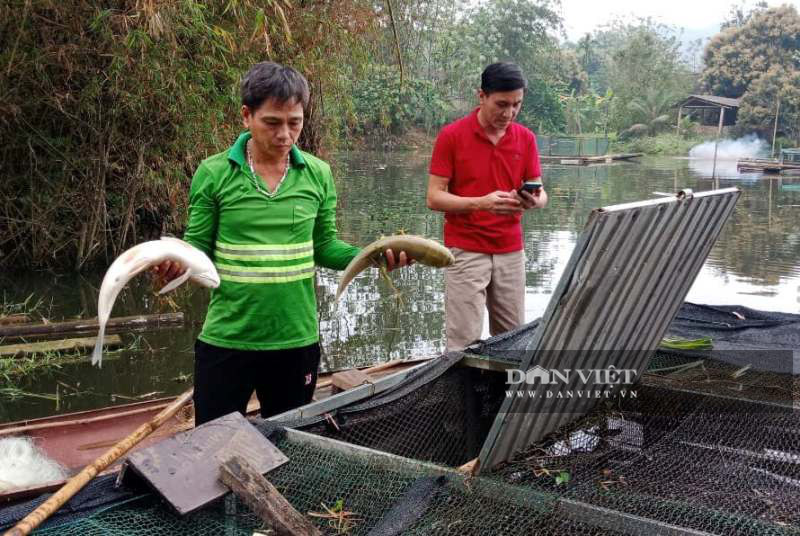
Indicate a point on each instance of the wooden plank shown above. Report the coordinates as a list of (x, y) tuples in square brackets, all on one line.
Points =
[(336, 401), (486, 363), (375, 369), (586, 160), (26, 349), (264, 500), (347, 379), (184, 469), (14, 319), (90, 326), (760, 164), (471, 467)]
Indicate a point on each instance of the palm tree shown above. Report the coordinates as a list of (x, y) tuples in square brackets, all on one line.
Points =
[(649, 110)]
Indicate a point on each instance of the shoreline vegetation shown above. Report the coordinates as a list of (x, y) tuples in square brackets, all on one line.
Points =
[(663, 144), (105, 113)]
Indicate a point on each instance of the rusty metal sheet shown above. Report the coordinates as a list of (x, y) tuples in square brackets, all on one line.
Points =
[(184, 469), (630, 271)]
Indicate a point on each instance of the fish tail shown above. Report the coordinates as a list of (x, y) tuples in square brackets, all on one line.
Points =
[(97, 355)]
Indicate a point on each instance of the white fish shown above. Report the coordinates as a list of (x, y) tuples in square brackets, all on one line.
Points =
[(139, 258)]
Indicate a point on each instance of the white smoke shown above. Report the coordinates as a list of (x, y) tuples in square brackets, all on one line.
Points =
[(750, 146), (701, 157), (23, 465)]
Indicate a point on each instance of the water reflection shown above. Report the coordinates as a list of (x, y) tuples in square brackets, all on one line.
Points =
[(755, 263), (723, 168)]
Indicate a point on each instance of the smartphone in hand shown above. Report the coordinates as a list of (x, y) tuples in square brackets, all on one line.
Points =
[(532, 187)]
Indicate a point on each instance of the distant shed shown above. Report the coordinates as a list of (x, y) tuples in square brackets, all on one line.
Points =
[(709, 110), (790, 156)]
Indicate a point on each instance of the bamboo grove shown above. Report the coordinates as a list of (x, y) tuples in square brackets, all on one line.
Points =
[(106, 108)]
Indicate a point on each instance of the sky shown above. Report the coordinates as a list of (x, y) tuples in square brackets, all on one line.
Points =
[(703, 16)]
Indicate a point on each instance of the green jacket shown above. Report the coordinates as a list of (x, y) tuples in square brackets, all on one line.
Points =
[(265, 248)]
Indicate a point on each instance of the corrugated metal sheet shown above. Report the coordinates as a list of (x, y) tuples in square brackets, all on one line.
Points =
[(630, 271), (712, 99)]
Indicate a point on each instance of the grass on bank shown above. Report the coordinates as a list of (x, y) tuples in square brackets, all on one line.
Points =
[(665, 144), (30, 306), (12, 368)]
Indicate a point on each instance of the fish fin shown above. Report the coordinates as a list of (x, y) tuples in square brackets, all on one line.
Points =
[(175, 283), (140, 267)]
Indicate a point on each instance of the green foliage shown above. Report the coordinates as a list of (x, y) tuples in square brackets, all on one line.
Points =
[(587, 112), (739, 55), (677, 343), (639, 67), (739, 15), (758, 59), (669, 144), (105, 113), (444, 46), (784, 143), (383, 104), (653, 108), (541, 107), (645, 73)]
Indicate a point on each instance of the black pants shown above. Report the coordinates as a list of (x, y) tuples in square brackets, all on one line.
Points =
[(225, 379)]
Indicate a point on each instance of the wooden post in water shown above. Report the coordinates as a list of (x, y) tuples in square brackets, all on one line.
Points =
[(716, 144), (775, 128), (678, 125)]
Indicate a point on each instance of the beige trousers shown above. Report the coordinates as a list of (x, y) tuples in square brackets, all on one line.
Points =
[(479, 280)]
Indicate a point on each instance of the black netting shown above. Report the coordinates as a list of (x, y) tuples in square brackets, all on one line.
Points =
[(317, 478), (704, 446), (692, 460), (97, 494), (736, 333), (436, 422)]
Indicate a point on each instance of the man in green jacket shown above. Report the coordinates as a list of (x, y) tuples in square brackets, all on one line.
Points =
[(265, 212)]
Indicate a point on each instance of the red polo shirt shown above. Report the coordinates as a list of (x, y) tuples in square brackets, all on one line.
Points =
[(476, 167)]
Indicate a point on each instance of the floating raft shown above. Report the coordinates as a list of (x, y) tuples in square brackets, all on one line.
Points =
[(765, 165), (586, 160), (66, 345)]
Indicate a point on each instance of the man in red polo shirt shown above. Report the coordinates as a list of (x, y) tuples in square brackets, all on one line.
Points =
[(478, 166)]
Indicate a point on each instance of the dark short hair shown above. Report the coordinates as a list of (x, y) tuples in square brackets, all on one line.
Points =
[(269, 80), (502, 76)]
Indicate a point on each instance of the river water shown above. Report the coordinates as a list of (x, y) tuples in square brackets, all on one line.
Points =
[(755, 263)]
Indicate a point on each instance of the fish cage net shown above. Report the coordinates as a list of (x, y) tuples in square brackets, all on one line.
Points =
[(572, 146), (688, 454)]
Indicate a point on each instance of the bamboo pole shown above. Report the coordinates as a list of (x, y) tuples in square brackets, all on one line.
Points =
[(77, 482), (396, 41)]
